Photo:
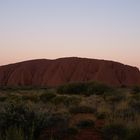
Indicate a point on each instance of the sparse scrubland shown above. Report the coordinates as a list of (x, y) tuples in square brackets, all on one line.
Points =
[(79, 111)]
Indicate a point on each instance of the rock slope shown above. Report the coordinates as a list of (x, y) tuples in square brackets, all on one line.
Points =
[(44, 72)]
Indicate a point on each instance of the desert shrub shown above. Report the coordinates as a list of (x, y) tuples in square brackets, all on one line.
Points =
[(57, 126), (58, 120), (136, 90), (3, 98), (82, 109), (85, 124), (14, 98), (73, 88), (88, 88), (114, 131), (115, 98), (125, 114), (32, 98), (22, 116), (66, 100), (47, 97), (134, 134), (39, 123), (72, 131), (135, 97), (14, 134), (135, 105), (98, 88), (101, 115), (72, 101), (60, 99)]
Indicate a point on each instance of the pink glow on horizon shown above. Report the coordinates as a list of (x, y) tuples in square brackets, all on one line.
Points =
[(52, 29)]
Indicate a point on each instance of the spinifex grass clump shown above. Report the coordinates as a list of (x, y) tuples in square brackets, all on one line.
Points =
[(47, 97), (114, 132), (13, 134), (82, 109), (136, 90), (134, 134), (73, 88), (66, 100), (89, 88), (85, 124), (45, 114), (23, 118)]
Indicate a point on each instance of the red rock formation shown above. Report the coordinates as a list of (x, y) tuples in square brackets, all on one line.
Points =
[(65, 70)]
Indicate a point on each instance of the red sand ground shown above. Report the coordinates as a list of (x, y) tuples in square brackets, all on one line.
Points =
[(65, 70), (84, 134)]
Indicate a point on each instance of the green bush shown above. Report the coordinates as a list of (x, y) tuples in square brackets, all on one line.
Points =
[(22, 116), (73, 88), (72, 131), (14, 134), (136, 90), (14, 98), (134, 134), (98, 88), (85, 124), (3, 98), (72, 101), (135, 105), (58, 120), (66, 100), (116, 98), (32, 98), (88, 88), (82, 109), (60, 99), (47, 97), (114, 131), (101, 116), (125, 114), (135, 97), (57, 126)]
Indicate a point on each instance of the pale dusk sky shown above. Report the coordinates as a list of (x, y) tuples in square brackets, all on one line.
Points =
[(100, 29)]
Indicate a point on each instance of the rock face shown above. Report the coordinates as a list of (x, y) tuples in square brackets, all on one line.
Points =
[(45, 72)]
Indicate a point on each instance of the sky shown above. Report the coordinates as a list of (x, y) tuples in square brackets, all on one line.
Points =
[(100, 29)]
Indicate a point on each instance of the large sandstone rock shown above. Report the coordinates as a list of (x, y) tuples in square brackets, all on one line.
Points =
[(45, 72)]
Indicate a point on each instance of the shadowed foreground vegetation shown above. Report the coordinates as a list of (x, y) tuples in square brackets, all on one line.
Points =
[(78, 111)]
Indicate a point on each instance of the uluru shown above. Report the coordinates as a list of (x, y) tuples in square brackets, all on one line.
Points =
[(45, 72)]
